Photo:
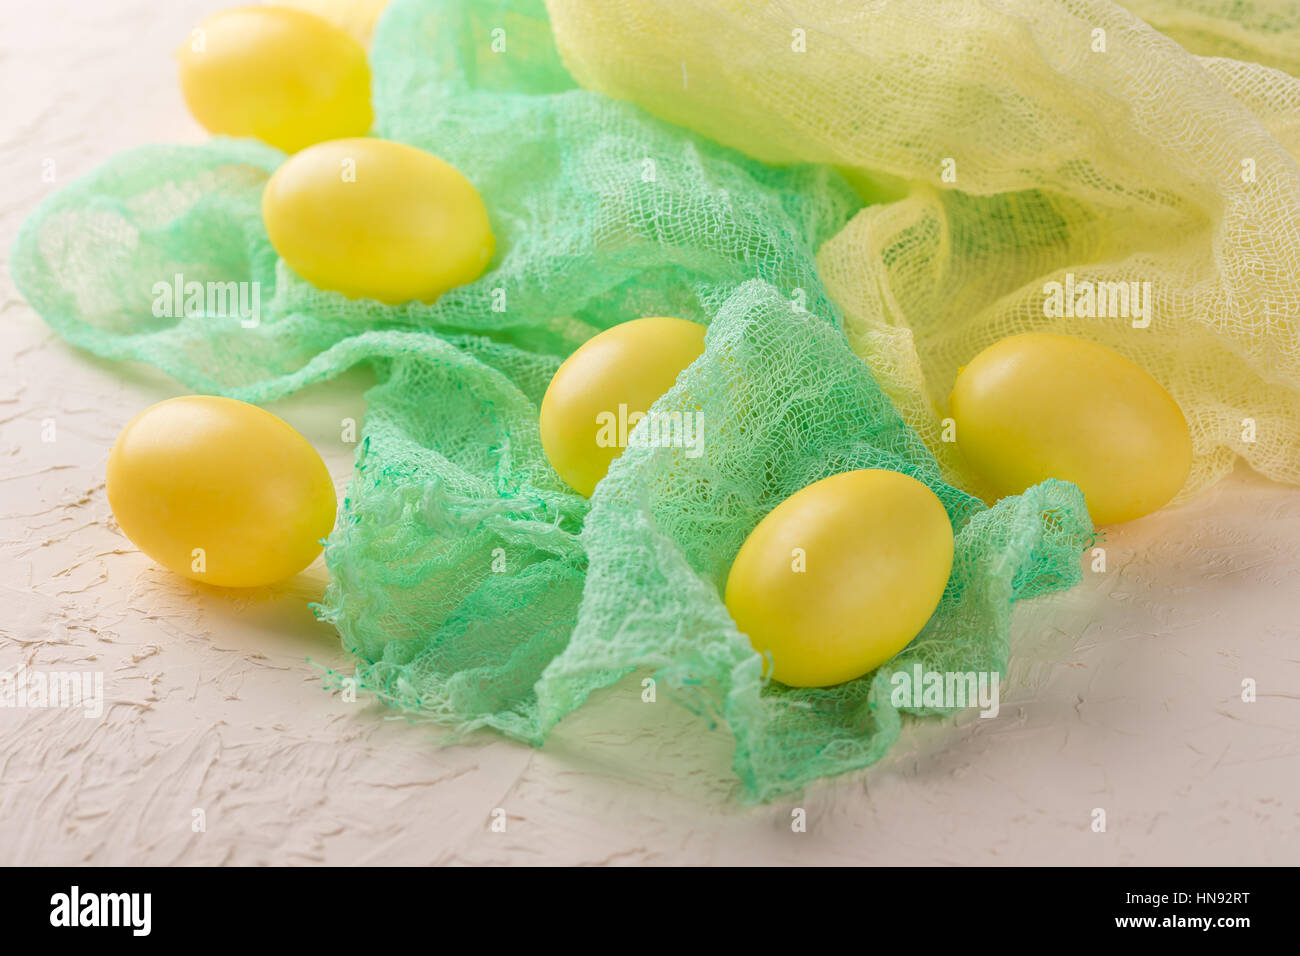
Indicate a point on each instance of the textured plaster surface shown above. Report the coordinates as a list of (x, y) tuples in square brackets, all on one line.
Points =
[(1124, 695)]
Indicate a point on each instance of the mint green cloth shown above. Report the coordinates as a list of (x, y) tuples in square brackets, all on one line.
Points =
[(469, 584)]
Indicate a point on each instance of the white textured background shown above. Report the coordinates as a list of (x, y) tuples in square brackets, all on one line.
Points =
[(1124, 693)]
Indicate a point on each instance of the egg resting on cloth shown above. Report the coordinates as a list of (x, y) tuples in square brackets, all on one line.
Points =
[(1138, 159), (469, 583)]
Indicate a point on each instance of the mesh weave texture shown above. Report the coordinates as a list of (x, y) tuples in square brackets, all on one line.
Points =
[(603, 213), (1024, 141)]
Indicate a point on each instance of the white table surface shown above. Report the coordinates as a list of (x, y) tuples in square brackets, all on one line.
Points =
[(1124, 694)]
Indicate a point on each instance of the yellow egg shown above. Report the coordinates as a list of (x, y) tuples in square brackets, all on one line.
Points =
[(379, 220), (220, 491), (287, 77), (605, 387), (1039, 406), (840, 576)]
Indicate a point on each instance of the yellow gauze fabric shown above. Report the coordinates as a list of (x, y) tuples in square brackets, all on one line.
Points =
[(1006, 146)]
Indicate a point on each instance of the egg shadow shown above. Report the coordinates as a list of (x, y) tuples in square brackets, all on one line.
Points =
[(275, 620)]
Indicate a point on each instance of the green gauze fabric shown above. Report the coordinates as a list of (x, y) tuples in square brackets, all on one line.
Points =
[(469, 584), (1021, 143)]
